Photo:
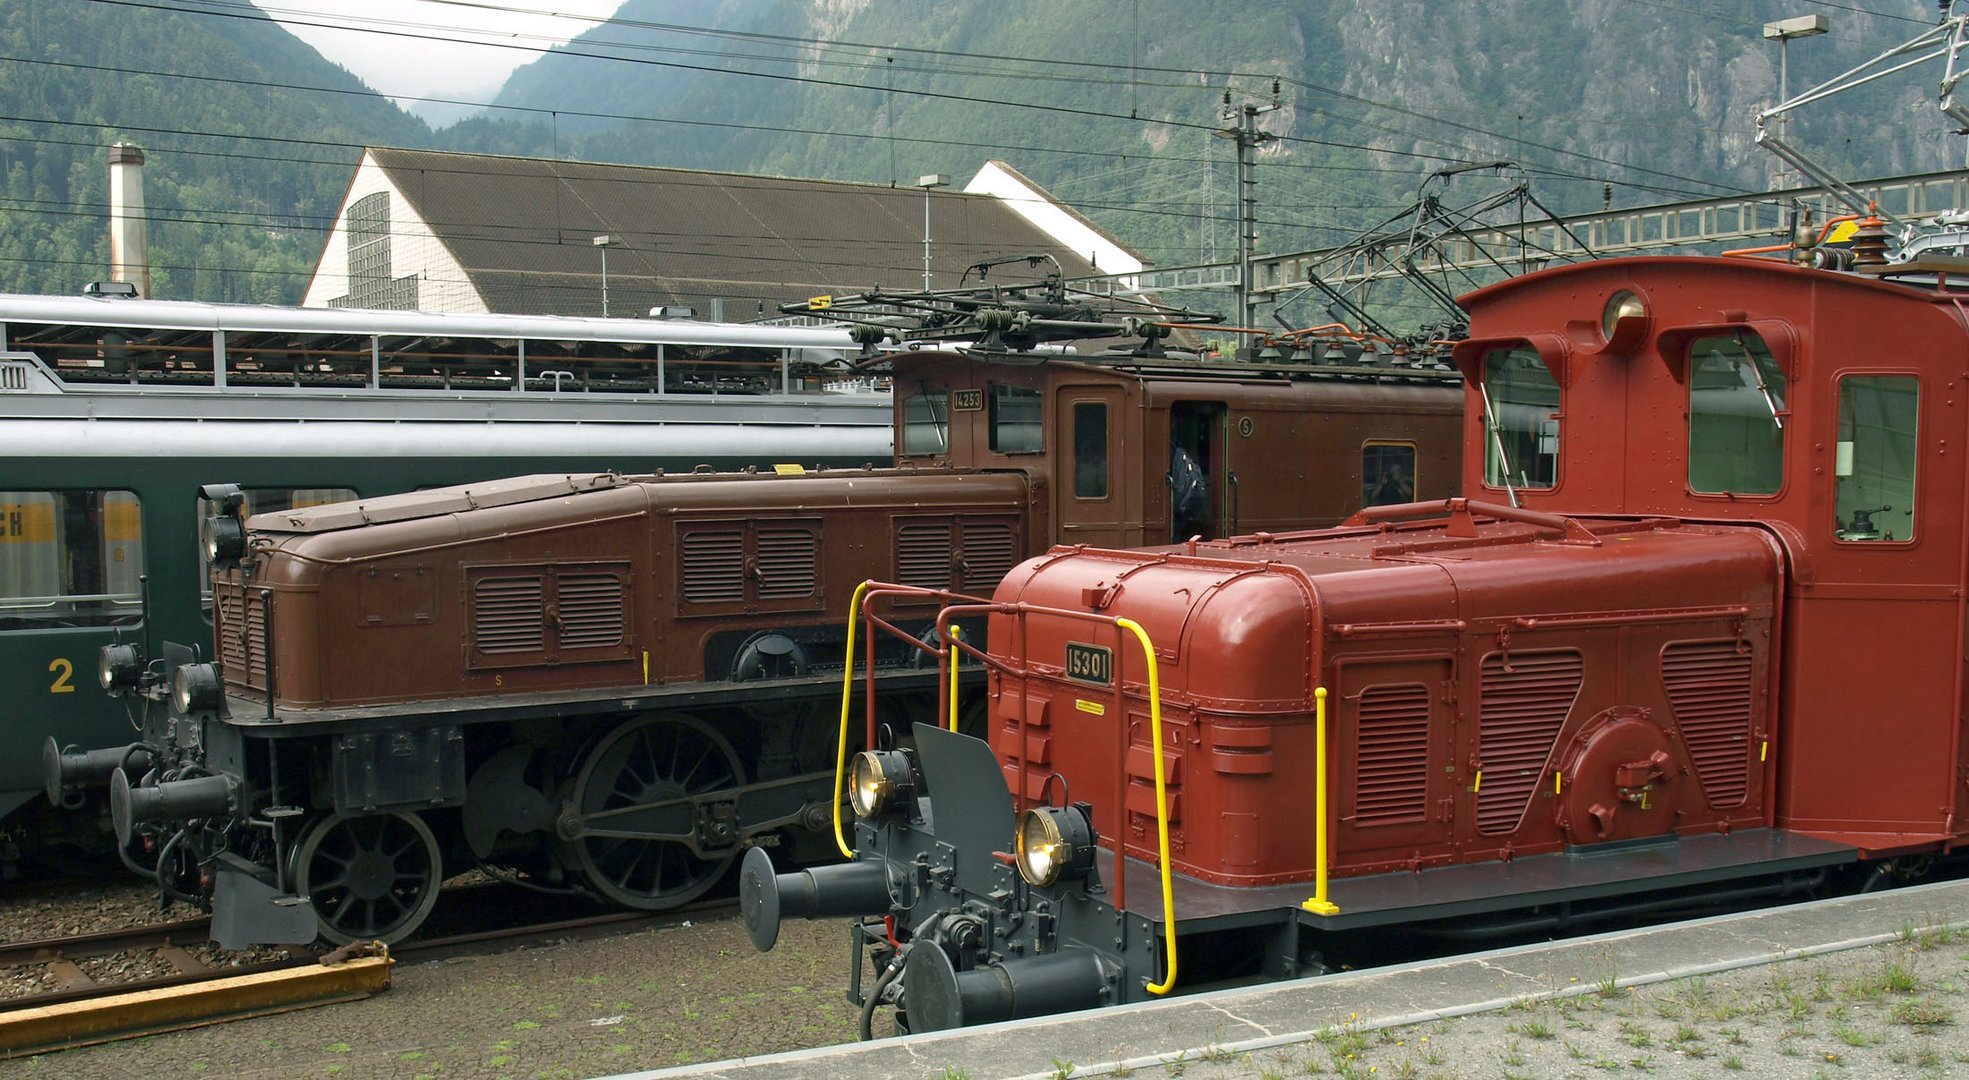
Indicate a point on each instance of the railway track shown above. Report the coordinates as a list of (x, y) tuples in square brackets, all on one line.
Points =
[(65, 1016)]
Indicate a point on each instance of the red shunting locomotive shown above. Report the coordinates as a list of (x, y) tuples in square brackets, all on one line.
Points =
[(1695, 638)]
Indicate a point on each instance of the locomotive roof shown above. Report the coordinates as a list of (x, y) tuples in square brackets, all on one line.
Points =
[(1898, 279), (1412, 572), (537, 487), (432, 502), (1184, 365)]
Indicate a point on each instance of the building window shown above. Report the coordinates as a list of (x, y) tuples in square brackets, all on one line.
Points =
[(1736, 416), (370, 283)]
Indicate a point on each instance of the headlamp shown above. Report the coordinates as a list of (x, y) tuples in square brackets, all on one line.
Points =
[(1052, 842), (225, 533), (1623, 319), (196, 688), (225, 542), (119, 667), (879, 780)]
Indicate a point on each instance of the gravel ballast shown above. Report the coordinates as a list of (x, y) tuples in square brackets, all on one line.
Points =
[(573, 1008)]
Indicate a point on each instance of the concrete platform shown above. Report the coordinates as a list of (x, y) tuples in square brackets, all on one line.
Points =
[(1278, 1015)]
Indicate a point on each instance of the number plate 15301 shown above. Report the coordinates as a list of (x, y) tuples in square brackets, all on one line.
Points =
[(1090, 663)]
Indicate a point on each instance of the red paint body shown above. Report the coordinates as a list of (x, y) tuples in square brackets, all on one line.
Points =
[(1687, 630)]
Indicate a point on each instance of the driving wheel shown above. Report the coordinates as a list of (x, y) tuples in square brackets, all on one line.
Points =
[(640, 835)]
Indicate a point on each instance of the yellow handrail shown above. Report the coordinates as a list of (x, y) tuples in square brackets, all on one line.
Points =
[(1161, 804), (1319, 904), (953, 681), (847, 688)]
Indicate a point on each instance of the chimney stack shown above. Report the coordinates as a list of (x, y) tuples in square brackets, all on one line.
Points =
[(129, 245)]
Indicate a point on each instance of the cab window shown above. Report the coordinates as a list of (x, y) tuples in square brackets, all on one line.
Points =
[(260, 501), (1387, 473), (1015, 420), (70, 558), (1090, 450), (1736, 416), (926, 423), (1873, 459), (1521, 422)]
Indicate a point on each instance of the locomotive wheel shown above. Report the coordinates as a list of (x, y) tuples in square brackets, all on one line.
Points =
[(641, 842), (370, 877)]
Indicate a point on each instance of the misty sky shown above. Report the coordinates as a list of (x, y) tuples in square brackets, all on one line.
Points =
[(440, 48)]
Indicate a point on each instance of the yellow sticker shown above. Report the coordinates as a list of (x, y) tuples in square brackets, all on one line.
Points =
[(1093, 707), (789, 470), (819, 303)]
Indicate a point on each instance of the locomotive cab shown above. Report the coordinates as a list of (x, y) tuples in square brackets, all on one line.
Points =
[(1817, 407), (1147, 452)]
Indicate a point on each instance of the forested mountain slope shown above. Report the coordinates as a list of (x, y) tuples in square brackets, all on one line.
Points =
[(1113, 104), (244, 173)]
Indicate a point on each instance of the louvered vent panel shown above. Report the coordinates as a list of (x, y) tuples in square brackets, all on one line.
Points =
[(923, 555), (1392, 760), (1708, 683), (988, 554), (714, 567), (242, 634), (507, 615), (1521, 714), (786, 563), (591, 610)]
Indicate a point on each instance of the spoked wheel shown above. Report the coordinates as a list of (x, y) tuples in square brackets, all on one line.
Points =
[(640, 838), (369, 877)]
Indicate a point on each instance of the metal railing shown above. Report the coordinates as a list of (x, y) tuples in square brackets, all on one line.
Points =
[(955, 606)]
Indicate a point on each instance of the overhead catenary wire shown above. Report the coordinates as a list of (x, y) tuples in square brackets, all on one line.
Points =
[(1138, 207), (920, 93), (1032, 149)]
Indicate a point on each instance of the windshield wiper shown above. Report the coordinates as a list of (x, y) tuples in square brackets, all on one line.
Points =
[(1757, 372), (1497, 440)]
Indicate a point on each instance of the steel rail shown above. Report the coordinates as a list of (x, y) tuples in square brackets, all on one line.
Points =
[(156, 935), (168, 934)]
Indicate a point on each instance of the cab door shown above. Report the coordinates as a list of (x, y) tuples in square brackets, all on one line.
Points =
[(1093, 497), (1201, 480)]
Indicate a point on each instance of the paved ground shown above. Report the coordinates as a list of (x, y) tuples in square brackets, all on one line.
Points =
[(1871, 986)]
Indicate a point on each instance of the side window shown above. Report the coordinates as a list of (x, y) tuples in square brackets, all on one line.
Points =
[(260, 501), (1521, 405), (1090, 450), (70, 558), (1015, 420), (1874, 457), (1736, 417), (1387, 473), (926, 423)]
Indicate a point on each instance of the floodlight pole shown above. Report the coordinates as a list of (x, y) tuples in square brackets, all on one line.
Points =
[(604, 242), (926, 182), (1782, 32)]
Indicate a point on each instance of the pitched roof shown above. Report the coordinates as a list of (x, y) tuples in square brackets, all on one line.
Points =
[(524, 230)]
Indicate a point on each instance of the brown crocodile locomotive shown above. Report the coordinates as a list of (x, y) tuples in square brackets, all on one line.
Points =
[(614, 685)]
